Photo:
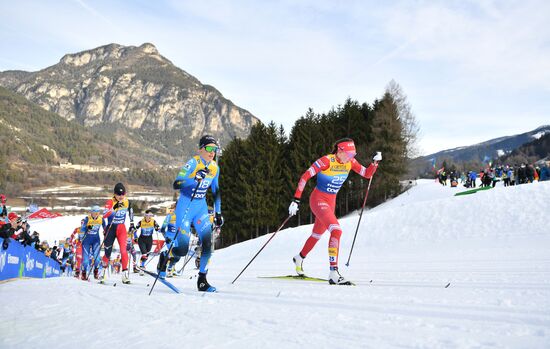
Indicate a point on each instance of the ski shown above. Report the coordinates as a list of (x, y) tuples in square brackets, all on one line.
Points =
[(166, 283), (106, 283), (294, 277)]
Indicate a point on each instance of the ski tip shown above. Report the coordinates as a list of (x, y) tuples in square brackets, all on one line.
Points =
[(449, 284), (114, 285), (147, 285)]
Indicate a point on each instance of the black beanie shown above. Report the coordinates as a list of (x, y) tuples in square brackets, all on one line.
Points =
[(207, 139), (119, 189)]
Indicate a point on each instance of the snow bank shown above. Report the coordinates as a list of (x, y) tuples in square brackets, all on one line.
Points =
[(492, 247)]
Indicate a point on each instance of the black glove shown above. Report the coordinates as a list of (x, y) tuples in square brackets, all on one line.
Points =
[(132, 227), (5, 244), (218, 219), (90, 227), (118, 205), (201, 174), (177, 184)]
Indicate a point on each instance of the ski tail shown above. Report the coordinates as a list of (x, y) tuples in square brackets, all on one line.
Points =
[(166, 283)]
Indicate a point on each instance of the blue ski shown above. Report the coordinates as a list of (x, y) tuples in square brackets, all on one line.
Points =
[(166, 283)]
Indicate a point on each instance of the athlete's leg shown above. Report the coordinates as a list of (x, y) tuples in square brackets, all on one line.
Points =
[(108, 244), (324, 212), (203, 227), (121, 236), (85, 255)]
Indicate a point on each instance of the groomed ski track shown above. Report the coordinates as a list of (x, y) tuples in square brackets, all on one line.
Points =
[(493, 247)]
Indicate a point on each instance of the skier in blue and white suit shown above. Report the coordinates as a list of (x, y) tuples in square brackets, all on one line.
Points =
[(203, 171)]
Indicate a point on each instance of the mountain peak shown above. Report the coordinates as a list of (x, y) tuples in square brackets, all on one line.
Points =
[(149, 48), (100, 53), (137, 88), (108, 52)]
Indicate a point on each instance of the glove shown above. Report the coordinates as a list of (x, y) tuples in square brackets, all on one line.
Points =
[(3, 199), (118, 205), (177, 185), (377, 157), (132, 227), (5, 244), (218, 219), (201, 174), (293, 208), (90, 227)]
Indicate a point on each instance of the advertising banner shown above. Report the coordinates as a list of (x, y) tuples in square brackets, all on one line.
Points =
[(25, 261)]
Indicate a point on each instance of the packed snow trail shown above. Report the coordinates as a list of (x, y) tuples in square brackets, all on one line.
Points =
[(493, 247)]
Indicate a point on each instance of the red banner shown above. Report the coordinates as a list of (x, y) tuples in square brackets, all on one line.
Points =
[(42, 214)]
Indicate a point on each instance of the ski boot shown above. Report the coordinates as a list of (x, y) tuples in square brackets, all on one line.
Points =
[(141, 268), (126, 276), (334, 278), (96, 273), (203, 285), (161, 266), (136, 269), (298, 261), (77, 274), (103, 276), (83, 275), (171, 271)]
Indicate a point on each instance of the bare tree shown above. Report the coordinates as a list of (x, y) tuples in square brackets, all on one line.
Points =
[(411, 129)]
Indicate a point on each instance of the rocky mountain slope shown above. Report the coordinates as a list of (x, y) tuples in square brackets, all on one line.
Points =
[(42, 148), (138, 89)]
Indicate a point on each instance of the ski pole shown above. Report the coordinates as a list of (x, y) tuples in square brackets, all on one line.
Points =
[(360, 216), (172, 243), (256, 255), (185, 263)]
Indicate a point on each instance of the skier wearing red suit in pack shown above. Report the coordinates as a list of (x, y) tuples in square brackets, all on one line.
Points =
[(77, 249), (116, 209), (332, 171)]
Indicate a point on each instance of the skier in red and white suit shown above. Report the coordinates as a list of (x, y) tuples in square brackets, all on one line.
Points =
[(115, 213), (332, 171), (77, 250)]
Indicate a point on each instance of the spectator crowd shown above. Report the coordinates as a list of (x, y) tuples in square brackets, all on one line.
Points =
[(509, 175)]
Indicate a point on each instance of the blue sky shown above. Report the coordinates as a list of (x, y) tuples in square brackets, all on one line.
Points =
[(472, 70)]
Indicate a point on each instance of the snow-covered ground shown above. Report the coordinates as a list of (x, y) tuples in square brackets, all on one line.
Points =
[(493, 247)]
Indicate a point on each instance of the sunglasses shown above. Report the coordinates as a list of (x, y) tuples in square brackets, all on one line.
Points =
[(350, 154), (149, 215), (211, 148)]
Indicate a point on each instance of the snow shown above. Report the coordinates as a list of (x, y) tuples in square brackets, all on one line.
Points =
[(538, 135), (491, 246)]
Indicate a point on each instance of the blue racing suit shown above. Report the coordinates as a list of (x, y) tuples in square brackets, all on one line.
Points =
[(196, 211), (89, 236)]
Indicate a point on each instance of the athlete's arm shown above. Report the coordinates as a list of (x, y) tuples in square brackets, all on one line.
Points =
[(182, 179), (318, 166), (216, 193), (366, 172)]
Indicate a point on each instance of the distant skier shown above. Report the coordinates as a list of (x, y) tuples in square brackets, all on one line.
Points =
[(90, 240), (168, 230), (332, 171), (131, 240), (203, 170), (145, 241), (77, 249), (116, 210)]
